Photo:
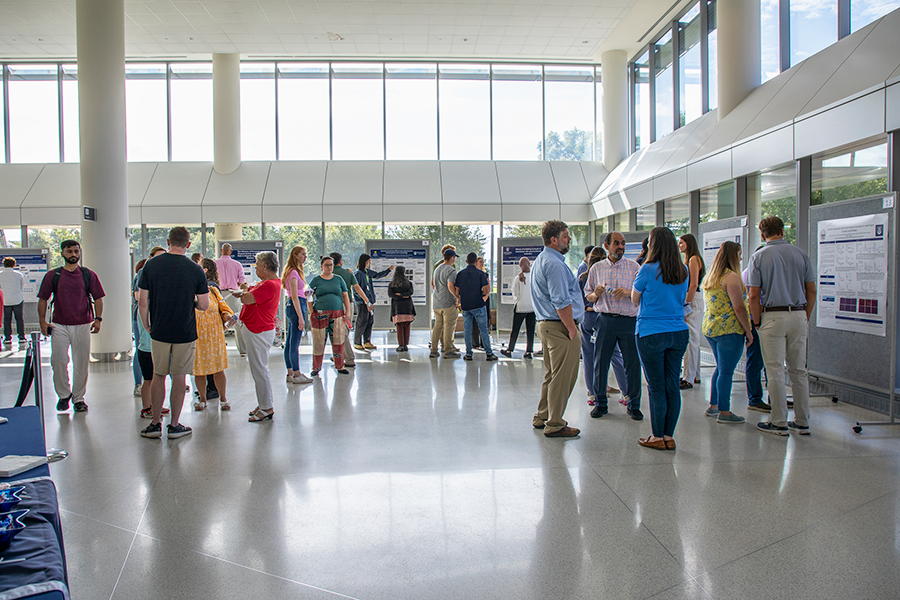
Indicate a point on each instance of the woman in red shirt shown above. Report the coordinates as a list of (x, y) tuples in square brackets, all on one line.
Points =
[(257, 322)]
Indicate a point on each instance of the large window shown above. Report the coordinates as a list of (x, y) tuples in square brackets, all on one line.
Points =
[(678, 214), (51, 237), (665, 98), (855, 172), (646, 217), (642, 101), (620, 222), (465, 112), (863, 12), (192, 115), (349, 240), (257, 111), (33, 113), (357, 105), (308, 236), (517, 110), (770, 22), (814, 26), (146, 113), (689, 80), (304, 115), (713, 67), (71, 140), (773, 193), (411, 111), (569, 113), (598, 114), (408, 231), (717, 202)]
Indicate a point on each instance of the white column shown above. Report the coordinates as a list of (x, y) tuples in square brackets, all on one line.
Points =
[(227, 112), (739, 60), (226, 232), (614, 90), (100, 27)]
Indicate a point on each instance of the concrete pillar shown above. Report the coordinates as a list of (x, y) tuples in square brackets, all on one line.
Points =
[(100, 27), (614, 90), (227, 112), (739, 52), (226, 232)]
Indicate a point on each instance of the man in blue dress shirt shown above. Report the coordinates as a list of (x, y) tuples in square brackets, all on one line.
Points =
[(559, 310)]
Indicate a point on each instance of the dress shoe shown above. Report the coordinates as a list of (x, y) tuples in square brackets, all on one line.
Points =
[(598, 411), (538, 426), (670, 444), (505, 352), (564, 432), (635, 414), (656, 445), (528, 355)]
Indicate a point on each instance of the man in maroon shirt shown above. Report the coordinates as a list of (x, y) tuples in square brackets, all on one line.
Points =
[(74, 319)]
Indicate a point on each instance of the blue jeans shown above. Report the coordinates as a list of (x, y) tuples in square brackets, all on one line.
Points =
[(754, 370), (479, 315), (661, 354), (728, 350), (587, 356), (293, 335), (612, 331), (135, 365)]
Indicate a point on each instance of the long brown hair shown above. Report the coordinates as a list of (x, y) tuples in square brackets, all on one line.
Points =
[(596, 254), (212, 271), (292, 264), (727, 258), (691, 250), (663, 249)]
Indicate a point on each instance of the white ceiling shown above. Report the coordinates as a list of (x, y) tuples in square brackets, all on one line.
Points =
[(516, 29)]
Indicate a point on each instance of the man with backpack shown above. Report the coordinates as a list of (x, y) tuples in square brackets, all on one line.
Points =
[(76, 303)]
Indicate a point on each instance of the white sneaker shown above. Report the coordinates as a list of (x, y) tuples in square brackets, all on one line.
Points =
[(137, 391), (301, 378)]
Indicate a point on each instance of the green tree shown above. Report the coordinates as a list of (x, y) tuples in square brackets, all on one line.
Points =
[(51, 238), (574, 144)]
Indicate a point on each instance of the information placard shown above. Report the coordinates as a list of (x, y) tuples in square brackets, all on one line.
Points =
[(247, 257), (713, 240), (633, 250), (510, 267), (852, 272), (412, 259), (33, 267)]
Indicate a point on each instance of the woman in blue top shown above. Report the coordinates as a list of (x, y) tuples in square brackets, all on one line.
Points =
[(362, 336), (662, 335)]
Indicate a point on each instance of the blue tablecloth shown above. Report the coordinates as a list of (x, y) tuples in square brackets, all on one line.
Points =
[(43, 572)]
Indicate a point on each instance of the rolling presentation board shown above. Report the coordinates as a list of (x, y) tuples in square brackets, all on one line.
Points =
[(852, 334), (712, 234), (414, 255), (33, 264), (511, 251)]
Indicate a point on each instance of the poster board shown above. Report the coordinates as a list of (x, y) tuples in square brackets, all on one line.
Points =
[(712, 234), (414, 255), (844, 355), (244, 251), (510, 251), (634, 241), (33, 264)]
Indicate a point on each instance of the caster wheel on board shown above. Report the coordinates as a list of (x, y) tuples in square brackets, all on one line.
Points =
[(857, 429), (834, 399)]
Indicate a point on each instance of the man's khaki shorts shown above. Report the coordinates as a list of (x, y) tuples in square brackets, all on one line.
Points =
[(172, 359)]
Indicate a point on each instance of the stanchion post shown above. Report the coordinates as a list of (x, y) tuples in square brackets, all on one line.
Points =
[(38, 379)]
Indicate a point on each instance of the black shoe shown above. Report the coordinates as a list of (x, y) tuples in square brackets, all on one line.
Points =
[(790, 404), (467, 357), (760, 407), (177, 431), (152, 431), (685, 385), (314, 373), (63, 403), (528, 355), (539, 353), (212, 394), (343, 371), (598, 411), (81, 406), (505, 352), (636, 414), (491, 357)]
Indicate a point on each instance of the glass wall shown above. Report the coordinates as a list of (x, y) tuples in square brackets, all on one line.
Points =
[(308, 236), (863, 12), (408, 231), (51, 237), (717, 202), (33, 113), (146, 112), (665, 98), (257, 111), (71, 140), (773, 193), (854, 172), (191, 119), (357, 109), (770, 21), (620, 222), (304, 113), (569, 112), (580, 235), (713, 67), (517, 110), (464, 97), (814, 26), (598, 115), (642, 101), (678, 214), (689, 84), (411, 111), (349, 240), (646, 217)]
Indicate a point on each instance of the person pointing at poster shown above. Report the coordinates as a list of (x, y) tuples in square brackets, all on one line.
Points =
[(782, 295)]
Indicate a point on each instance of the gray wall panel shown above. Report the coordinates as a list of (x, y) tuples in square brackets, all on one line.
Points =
[(856, 120), (765, 151)]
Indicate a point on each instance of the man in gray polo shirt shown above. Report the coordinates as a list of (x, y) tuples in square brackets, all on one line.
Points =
[(443, 303), (782, 295)]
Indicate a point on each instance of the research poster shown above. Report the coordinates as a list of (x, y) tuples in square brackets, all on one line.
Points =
[(510, 266), (633, 250), (852, 271), (247, 258), (413, 259), (713, 240), (33, 267)]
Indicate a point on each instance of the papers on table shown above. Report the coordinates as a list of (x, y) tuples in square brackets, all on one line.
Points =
[(13, 464)]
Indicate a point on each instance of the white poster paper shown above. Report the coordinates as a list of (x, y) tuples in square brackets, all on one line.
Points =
[(413, 260), (852, 272), (510, 267), (33, 267), (713, 240)]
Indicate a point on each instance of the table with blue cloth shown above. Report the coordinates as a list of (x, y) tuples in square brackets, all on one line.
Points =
[(43, 572)]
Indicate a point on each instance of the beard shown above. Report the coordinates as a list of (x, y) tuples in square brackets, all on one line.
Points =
[(72, 260), (619, 254), (564, 250)]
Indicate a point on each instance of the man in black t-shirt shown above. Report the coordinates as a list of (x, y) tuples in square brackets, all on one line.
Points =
[(170, 288), (471, 288)]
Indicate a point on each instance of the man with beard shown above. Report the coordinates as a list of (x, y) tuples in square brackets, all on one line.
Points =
[(559, 309), (76, 306), (609, 286)]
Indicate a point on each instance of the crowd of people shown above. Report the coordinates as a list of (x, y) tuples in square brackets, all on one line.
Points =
[(640, 317)]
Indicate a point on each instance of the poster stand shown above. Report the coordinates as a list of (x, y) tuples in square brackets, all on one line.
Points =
[(874, 376), (415, 256), (245, 251), (510, 251), (33, 263)]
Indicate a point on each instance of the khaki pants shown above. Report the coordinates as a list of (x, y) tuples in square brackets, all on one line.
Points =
[(349, 357), (444, 326), (694, 322), (561, 356), (78, 337), (235, 305), (782, 338)]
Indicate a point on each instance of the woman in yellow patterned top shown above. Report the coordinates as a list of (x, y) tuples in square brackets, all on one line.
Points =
[(726, 326), (210, 355)]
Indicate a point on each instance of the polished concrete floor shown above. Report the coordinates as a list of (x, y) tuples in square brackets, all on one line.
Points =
[(422, 478)]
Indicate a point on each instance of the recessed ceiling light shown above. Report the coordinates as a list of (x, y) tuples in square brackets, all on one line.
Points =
[(585, 42), (40, 39)]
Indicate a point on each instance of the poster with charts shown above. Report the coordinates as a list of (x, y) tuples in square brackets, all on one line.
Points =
[(713, 240), (510, 267), (247, 257), (852, 274), (33, 267), (413, 259)]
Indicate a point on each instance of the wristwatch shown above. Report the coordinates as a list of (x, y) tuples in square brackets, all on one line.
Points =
[(98, 319)]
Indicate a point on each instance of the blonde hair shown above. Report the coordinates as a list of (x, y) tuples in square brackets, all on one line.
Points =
[(293, 264), (727, 258)]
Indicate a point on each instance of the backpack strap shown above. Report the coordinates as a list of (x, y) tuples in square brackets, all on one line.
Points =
[(85, 274)]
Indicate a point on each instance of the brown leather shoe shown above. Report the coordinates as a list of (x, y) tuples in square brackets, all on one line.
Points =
[(670, 444), (538, 426), (564, 432), (656, 444)]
